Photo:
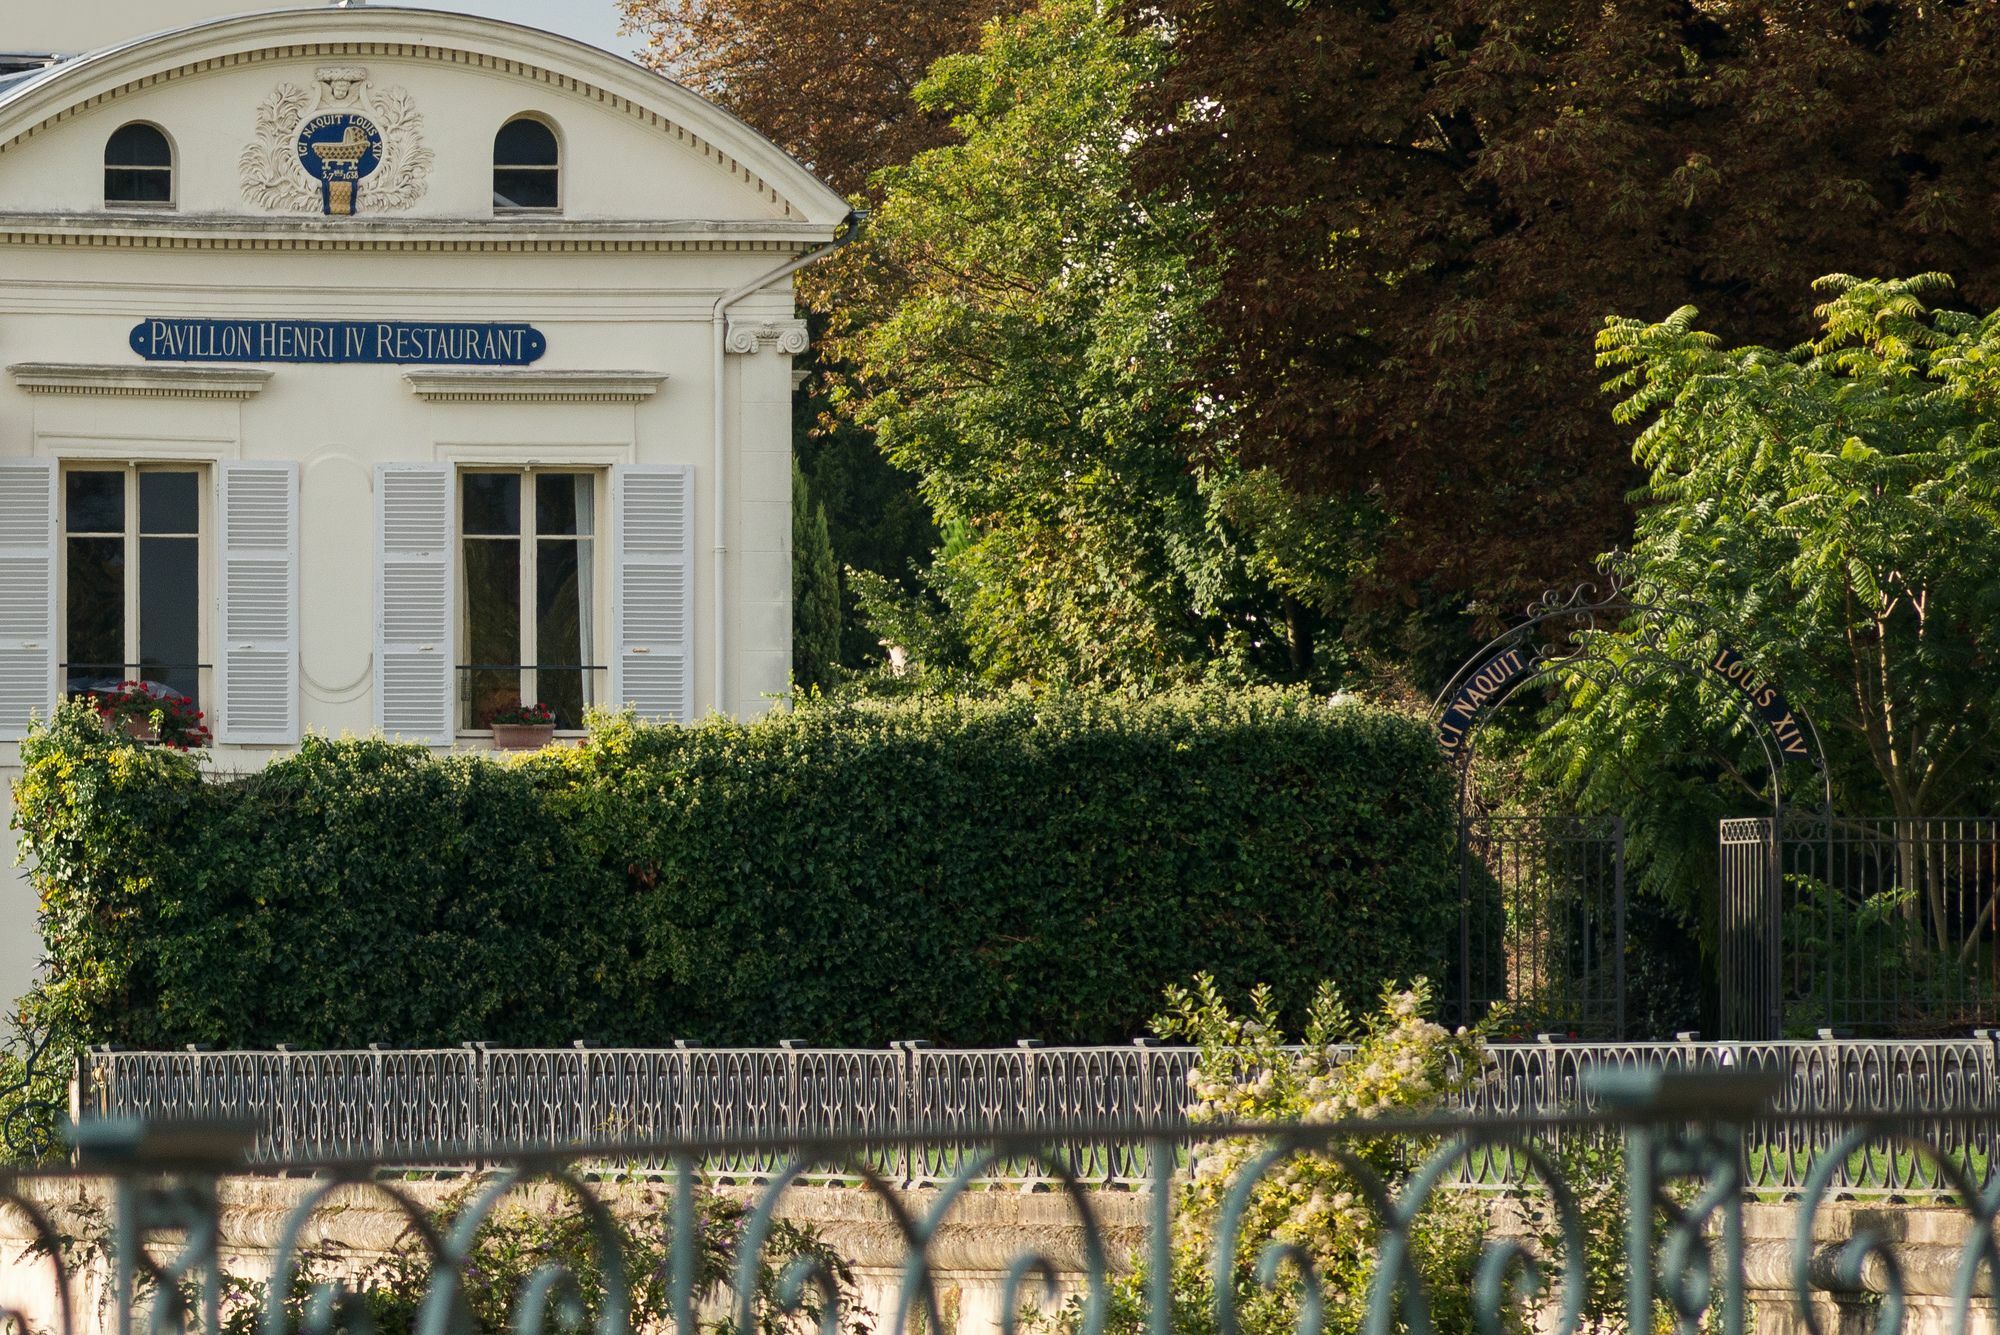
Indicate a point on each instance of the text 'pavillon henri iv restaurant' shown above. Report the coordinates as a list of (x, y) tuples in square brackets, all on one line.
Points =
[(380, 368)]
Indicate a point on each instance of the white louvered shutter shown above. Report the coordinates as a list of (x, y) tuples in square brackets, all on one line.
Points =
[(259, 603), (652, 663), (27, 593), (414, 629)]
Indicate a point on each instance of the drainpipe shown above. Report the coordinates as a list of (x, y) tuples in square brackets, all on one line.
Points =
[(850, 228)]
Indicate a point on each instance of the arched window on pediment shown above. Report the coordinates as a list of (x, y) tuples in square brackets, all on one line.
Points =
[(527, 167), (139, 167)]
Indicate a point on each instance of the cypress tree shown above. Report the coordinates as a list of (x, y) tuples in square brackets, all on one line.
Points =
[(815, 590)]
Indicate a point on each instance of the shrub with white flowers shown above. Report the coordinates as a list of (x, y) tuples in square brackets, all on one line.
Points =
[(1395, 1061)]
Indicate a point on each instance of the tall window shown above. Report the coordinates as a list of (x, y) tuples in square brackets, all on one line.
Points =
[(132, 572), (525, 168), (138, 166), (527, 614)]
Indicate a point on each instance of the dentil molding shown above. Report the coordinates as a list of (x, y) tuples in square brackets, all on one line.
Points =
[(145, 382), (507, 386)]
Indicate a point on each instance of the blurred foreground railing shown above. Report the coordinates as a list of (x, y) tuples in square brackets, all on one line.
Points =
[(1679, 1143), (473, 1103)]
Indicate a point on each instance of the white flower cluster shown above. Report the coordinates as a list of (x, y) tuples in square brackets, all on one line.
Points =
[(1401, 1064)]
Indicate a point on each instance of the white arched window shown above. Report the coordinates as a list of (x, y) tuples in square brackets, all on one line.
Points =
[(139, 166), (527, 169)]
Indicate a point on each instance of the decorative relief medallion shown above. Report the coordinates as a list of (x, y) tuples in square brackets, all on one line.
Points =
[(344, 150)]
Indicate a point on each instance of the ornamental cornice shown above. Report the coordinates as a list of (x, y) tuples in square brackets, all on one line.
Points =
[(142, 382), (753, 334), (530, 386), (233, 232)]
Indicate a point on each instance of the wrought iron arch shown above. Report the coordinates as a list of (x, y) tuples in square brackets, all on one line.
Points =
[(1566, 635), (1530, 653)]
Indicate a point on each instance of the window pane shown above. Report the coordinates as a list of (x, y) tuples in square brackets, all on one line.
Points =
[(486, 691), (559, 499), (96, 504), (170, 613), (138, 185), (169, 503), (562, 646), (524, 188), (561, 689), (493, 505), (137, 146), (492, 626), (524, 143), (96, 577)]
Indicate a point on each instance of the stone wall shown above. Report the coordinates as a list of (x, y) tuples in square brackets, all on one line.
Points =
[(986, 1231)]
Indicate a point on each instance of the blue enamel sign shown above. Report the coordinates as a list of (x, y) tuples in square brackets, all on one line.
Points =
[(394, 341), (338, 150)]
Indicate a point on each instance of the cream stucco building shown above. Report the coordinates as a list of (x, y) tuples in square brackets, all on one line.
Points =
[(368, 368)]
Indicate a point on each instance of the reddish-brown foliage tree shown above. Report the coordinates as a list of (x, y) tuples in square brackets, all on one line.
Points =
[(828, 80), (1424, 209)]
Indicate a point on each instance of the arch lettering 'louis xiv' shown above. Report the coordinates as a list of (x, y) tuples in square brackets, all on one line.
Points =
[(1787, 727)]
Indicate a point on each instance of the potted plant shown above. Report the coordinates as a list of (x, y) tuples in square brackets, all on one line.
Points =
[(519, 727), (148, 712)]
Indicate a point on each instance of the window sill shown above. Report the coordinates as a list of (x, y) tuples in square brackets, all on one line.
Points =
[(483, 741)]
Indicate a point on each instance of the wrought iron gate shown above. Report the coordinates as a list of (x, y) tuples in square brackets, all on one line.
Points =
[(1542, 922), (1860, 925)]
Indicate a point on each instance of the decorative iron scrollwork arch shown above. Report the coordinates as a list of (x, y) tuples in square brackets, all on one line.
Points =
[(1564, 634)]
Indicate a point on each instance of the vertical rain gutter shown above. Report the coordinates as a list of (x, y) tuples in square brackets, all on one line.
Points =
[(850, 228)]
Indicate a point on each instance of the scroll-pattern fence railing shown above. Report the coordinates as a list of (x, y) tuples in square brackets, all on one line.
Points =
[(477, 1102), (1704, 1250)]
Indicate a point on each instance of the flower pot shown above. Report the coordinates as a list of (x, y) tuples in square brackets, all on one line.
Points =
[(140, 729), (522, 736)]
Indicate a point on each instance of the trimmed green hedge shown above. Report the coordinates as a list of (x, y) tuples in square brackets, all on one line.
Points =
[(962, 871)]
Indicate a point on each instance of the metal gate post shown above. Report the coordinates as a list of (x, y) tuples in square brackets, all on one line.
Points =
[(1465, 1015), (1618, 919), (1773, 952), (1826, 876)]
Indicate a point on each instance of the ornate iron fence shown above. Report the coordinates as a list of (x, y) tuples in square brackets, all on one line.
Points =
[(1682, 1149), (475, 1103)]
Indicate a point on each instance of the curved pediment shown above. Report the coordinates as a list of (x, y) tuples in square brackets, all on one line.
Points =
[(391, 115)]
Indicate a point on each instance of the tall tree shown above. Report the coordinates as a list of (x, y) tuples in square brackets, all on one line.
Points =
[(1025, 364), (1420, 210), (989, 371), (830, 81), (1833, 515)]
